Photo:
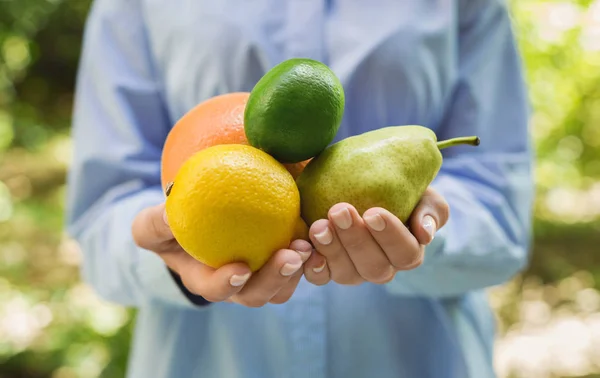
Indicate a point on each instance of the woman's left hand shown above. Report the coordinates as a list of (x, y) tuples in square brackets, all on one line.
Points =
[(351, 249)]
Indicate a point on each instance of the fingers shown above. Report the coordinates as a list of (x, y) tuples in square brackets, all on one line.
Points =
[(267, 282), (214, 285), (234, 283), (150, 229), (303, 247), (399, 245), (341, 267), (430, 215), (367, 256), (285, 293), (372, 248), (316, 270)]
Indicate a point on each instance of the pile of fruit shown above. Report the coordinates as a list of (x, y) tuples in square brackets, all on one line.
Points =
[(246, 173)]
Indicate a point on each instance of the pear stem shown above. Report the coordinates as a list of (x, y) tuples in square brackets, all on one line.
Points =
[(471, 140)]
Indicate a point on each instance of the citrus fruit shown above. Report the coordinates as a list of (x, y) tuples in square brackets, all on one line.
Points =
[(218, 120), (233, 203), (301, 230), (295, 110)]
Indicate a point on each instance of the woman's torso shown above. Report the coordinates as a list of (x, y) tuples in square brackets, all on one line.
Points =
[(397, 63)]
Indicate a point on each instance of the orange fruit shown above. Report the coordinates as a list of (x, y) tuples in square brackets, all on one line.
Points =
[(218, 120)]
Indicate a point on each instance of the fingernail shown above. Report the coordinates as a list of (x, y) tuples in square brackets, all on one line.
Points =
[(324, 237), (165, 218), (429, 226), (237, 280), (342, 218), (375, 221), (289, 269), (304, 254), (319, 269)]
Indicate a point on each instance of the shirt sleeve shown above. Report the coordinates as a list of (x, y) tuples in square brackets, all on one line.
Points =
[(490, 187), (119, 127)]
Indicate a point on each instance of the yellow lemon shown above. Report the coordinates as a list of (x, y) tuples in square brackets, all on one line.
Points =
[(301, 230), (233, 203)]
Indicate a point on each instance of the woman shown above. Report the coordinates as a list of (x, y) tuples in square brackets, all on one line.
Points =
[(370, 300)]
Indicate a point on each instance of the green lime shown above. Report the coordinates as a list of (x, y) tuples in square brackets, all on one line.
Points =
[(295, 110)]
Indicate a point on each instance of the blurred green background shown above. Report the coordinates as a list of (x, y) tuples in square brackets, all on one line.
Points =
[(52, 325)]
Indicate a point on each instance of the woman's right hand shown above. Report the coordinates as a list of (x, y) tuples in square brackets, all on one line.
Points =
[(275, 282)]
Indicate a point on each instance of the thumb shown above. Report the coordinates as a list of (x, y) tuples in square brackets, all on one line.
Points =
[(150, 228), (430, 215)]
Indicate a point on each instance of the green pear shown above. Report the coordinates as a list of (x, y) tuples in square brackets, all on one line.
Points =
[(389, 167)]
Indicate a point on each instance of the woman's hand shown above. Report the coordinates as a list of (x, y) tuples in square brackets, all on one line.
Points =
[(273, 283), (351, 250)]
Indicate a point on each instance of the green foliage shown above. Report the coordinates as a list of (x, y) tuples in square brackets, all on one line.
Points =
[(561, 49), (39, 51), (51, 325)]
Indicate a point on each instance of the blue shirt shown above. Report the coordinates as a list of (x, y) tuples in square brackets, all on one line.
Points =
[(450, 65)]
